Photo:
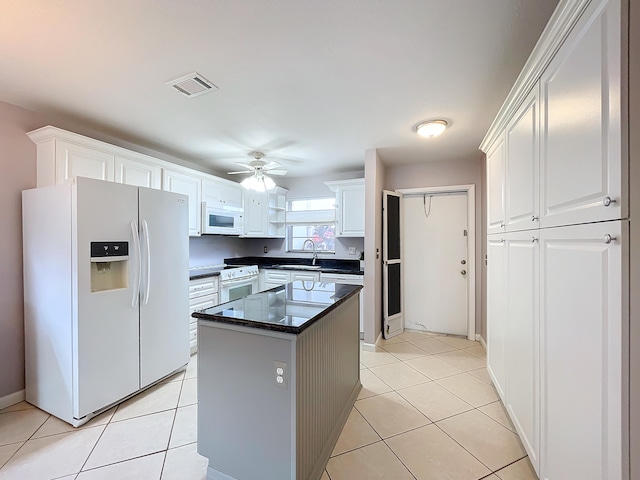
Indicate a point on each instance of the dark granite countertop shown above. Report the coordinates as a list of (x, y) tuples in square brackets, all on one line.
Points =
[(327, 265), (197, 273), (289, 308)]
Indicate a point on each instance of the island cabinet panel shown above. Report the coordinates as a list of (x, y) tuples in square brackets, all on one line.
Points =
[(271, 404)]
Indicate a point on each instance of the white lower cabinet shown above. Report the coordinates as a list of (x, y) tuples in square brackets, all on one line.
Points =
[(273, 278), (555, 349), (581, 351), (522, 340), (496, 311), (203, 293)]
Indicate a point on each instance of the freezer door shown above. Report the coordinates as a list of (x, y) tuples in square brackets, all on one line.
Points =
[(105, 359), (164, 290)]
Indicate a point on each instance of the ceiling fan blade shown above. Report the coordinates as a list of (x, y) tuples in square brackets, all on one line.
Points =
[(245, 165), (276, 172), (243, 171), (271, 165)]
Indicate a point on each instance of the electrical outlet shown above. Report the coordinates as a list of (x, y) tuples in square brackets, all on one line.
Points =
[(280, 370), (265, 249), (352, 250)]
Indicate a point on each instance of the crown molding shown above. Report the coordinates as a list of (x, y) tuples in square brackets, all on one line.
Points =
[(558, 28)]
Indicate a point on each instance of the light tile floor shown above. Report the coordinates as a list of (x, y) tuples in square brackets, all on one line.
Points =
[(427, 410)]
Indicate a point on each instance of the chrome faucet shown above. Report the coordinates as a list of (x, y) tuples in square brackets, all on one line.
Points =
[(313, 244)]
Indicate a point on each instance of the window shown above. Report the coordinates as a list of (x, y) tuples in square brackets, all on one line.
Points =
[(312, 219)]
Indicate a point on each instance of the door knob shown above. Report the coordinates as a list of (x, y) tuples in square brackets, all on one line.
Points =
[(463, 272), (463, 262)]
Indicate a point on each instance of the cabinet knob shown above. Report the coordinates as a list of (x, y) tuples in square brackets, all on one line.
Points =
[(463, 272), (606, 201), (534, 239), (463, 262), (533, 218), (608, 239), (501, 224)]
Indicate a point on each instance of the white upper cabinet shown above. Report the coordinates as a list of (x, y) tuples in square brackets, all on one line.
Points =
[(581, 174), (264, 213), (222, 193), (496, 186), (77, 161), (349, 207), (135, 172), (522, 172), (62, 155), (189, 185)]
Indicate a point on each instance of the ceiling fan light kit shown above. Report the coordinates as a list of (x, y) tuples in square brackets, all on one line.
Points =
[(258, 181), (431, 128)]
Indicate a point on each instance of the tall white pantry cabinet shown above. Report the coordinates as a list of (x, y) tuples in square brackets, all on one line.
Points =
[(563, 327)]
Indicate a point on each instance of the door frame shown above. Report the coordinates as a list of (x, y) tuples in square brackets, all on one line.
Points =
[(470, 190)]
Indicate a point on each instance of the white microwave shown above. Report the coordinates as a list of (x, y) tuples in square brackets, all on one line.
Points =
[(221, 221)]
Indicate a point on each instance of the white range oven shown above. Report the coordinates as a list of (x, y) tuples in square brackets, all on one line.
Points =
[(238, 282)]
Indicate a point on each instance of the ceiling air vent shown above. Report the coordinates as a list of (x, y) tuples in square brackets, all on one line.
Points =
[(192, 85)]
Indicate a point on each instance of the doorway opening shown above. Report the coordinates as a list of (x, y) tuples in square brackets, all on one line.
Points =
[(439, 257)]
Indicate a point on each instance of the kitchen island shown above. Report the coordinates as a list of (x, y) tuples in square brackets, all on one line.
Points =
[(278, 373)]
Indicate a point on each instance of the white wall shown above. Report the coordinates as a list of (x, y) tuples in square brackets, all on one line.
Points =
[(375, 172)]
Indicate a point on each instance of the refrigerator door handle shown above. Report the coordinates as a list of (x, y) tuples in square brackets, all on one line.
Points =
[(145, 233), (136, 246)]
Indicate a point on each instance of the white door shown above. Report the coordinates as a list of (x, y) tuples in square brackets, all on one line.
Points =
[(106, 358), (581, 348), (164, 289), (393, 317), (496, 311), (435, 267)]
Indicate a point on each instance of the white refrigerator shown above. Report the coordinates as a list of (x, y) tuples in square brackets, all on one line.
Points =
[(106, 294)]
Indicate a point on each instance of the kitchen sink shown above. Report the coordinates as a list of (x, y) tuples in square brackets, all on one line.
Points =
[(301, 267)]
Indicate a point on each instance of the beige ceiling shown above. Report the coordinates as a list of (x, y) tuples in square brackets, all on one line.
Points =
[(312, 83)]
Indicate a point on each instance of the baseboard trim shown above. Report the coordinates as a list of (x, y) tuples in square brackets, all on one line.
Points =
[(12, 399), (371, 347), (481, 340)]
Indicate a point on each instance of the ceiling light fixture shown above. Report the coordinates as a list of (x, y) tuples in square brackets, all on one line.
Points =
[(431, 128), (258, 182)]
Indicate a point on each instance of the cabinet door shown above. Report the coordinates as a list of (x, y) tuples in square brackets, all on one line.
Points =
[(496, 311), (140, 174), (76, 161), (522, 166), (495, 187), (231, 195), (580, 162), (190, 186), (581, 350), (523, 338), (255, 214), (350, 211)]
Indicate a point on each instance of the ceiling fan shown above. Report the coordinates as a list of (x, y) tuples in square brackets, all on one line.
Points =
[(257, 168)]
